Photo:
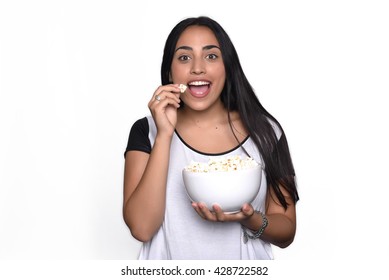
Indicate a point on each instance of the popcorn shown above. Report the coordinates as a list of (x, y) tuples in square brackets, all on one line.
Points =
[(223, 164), (182, 88)]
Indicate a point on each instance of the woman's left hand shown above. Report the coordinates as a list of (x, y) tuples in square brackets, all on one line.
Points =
[(218, 215)]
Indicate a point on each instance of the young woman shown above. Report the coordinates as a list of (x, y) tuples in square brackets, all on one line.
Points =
[(217, 115)]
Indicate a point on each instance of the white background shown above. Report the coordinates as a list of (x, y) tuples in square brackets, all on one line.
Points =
[(75, 75)]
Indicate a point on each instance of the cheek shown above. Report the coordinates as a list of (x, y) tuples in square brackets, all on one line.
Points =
[(177, 71), (220, 74), (218, 70)]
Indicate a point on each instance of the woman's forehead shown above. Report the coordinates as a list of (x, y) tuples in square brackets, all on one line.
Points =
[(197, 35)]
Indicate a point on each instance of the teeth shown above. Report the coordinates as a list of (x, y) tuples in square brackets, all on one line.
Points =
[(182, 88), (199, 83)]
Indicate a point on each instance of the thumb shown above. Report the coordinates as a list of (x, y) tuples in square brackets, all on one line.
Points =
[(247, 210)]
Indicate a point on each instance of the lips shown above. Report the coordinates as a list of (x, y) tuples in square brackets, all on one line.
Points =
[(199, 89)]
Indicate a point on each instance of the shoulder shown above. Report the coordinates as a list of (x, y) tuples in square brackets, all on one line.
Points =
[(141, 124), (139, 136)]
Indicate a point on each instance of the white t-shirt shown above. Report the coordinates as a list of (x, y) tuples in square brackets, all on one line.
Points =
[(184, 235)]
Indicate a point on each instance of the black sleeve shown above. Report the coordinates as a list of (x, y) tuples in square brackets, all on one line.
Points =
[(139, 137)]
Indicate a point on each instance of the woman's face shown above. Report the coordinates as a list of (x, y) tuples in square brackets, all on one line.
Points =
[(198, 63)]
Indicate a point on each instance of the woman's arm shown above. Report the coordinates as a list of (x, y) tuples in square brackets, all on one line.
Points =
[(145, 189), (281, 227), (145, 175)]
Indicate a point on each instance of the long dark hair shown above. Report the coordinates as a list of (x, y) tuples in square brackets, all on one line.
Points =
[(238, 95)]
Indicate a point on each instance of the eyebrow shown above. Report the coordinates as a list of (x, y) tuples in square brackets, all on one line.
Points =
[(208, 47)]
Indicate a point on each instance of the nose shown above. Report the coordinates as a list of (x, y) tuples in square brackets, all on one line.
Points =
[(198, 66)]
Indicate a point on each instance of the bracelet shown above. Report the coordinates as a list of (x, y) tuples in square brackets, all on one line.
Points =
[(255, 234)]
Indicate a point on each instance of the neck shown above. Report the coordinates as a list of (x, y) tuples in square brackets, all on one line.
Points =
[(210, 117)]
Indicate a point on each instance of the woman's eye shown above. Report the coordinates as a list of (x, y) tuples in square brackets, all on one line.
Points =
[(183, 58), (211, 56)]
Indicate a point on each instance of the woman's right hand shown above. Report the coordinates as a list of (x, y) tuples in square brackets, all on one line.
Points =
[(163, 106)]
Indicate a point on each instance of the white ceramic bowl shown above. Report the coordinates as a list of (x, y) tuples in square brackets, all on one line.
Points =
[(229, 189)]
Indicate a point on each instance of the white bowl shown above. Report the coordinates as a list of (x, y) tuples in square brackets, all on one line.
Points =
[(229, 189)]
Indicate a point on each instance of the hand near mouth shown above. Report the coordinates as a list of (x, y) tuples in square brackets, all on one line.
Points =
[(163, 106)]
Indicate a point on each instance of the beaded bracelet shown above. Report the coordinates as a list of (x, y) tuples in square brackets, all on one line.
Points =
[(255, 234)]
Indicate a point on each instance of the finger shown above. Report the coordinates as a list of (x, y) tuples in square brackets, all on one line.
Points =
[(163, 103), (197, 209), (247, 210), (173, 88), (168, 94), (206, 213), (220, 216), (164, 95)]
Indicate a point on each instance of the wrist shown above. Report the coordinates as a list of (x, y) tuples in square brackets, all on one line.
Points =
[(252, 222), (250, 233), (163, 137)]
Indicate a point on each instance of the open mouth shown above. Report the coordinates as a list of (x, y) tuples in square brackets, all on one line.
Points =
[(199, 88)]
